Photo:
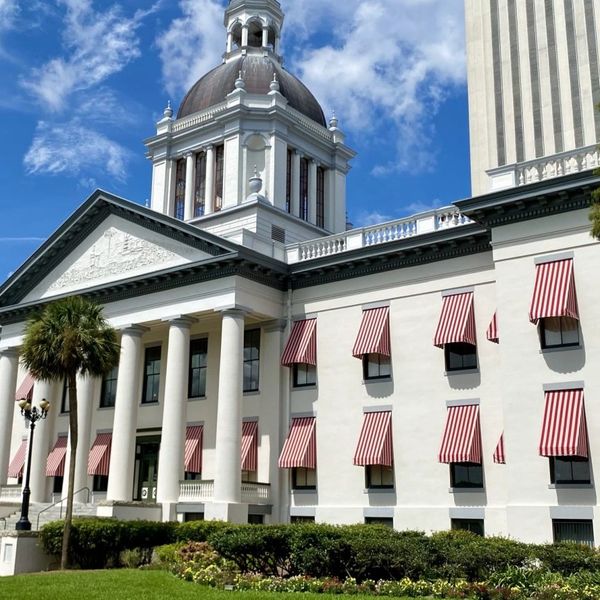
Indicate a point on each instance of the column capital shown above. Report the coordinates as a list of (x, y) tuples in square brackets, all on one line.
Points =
[(188, 155), (11, 352), (180, 320), (274, 325), (210, 147), (233, 311), (134, 330)]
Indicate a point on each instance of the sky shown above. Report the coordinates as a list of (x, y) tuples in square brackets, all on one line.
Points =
[(83, 83)]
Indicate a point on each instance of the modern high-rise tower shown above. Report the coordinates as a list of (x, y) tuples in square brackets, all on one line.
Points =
[(533, 87)]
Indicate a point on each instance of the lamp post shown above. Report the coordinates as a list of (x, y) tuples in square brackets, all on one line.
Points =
[(32, 416)]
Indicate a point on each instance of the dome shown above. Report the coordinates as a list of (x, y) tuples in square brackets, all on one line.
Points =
[(257, 72)]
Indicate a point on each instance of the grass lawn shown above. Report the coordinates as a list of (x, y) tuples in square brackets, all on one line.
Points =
[(124, 584)]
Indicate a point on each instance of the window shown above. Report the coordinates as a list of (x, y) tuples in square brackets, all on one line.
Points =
[(100, 483), (460, 356), (151, 375), (466, 475), (304, 375), (256, 519), (556, 332), (304, 189), (320, 197), (569, 469), (57, 484), (249, 477), (304, 479), (573, 530), (219, 169), (193, 516), (180, 189), (385, 521), (376, 366), (108, 394), (301, 519), (288, 182), (472, 525), (251, 359), (200, 184), (188, 476), (197, 369), (379, 477), (64, 402)]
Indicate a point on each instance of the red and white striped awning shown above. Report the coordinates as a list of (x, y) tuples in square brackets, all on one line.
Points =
[(300, 447), (301, 347), (25, 390), (499, 456), (457, 321), (375, 441), (249, 446), (462, 435), (554, 291), (193, 449), (99, 457), (564, 431), (492, 331), (55, 465), (15, 469), (374, 333)]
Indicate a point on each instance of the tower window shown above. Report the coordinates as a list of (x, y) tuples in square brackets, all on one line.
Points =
[(251, 359), (255, 34), (200, 184), (219, 168), (304, 189), (180, 189), (288, 182), (320, 197)]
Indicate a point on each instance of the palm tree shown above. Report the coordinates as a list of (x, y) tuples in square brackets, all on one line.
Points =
[(69, 338)]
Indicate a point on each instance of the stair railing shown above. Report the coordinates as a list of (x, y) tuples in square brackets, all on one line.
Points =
[(83, 489)]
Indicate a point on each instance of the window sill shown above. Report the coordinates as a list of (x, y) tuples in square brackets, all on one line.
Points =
[(468, 490), (302, 388), (376, 380), (379, 491), (106, 408), (306, 491), (461, 372), (571, 486), (197, 398), (252, 393), (560, 349), (142, 404)]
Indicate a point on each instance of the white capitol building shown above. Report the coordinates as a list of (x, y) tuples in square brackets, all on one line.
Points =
[(434, 371)]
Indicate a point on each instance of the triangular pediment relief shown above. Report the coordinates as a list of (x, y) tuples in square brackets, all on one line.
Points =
[(117, 249)]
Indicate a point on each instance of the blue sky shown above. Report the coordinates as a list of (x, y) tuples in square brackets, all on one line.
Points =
[(84, 81)]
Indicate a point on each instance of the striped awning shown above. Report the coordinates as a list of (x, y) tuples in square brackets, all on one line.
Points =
[(55, 465), (250, 446), (301, 347), (25, 390), (499, 456), (300, 447), (374, 333), (554, 291), (462, 435), (99, 458), (457, 321), (375, 441), (564, 431), (15, 469), (193, 449), (492, 331)]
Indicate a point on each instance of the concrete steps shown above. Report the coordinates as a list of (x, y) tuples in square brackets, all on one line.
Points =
[(51, 514)]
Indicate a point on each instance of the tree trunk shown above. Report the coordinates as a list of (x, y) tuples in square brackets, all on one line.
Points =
[(73, 433)]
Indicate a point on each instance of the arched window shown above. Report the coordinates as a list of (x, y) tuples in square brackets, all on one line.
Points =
[(255, 34), (179, 211), (236, 33)]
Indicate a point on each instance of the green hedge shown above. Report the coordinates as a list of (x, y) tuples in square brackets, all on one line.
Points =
[(362, 552)]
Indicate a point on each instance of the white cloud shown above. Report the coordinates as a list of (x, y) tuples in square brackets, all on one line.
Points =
[(72, 148), (8, 13), (366, 218), (192, 44), (98, 45)]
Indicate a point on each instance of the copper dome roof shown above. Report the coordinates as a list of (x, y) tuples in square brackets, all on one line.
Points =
[(257, 71)]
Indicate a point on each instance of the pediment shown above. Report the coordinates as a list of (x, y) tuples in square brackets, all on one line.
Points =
[(114, 250)]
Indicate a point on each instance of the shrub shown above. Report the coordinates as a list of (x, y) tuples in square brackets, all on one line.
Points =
[(198, 531), (567, 558)]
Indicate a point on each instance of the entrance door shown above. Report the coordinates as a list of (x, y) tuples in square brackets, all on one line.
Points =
[(146, 468)]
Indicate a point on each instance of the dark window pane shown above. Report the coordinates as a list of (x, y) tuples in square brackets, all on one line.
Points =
[(320, 197), (466, 475), (200, 184), (304, 478), (180, 189), (472, 525), (108, 395), (379, 476), (567, 469), (197, 368), (288, 182), (304, 375), (376, 366), (100, 483), (385, 521), (573, 530), (151, 375), (219, 167), (304, 189), (559, 331), (460, 356), (251, 360)]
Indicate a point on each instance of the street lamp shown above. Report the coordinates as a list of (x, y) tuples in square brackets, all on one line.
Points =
[(32, 416)]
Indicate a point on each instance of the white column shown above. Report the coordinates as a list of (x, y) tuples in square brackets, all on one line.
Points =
[(312, 192), (189, 187), (244, 36), (42, 390), (229, 41), (172, 443), (277, 43), (86, 396), (296, 183), (209, 199), (120, 478), (265, 37), (229, 409), (9, 368)]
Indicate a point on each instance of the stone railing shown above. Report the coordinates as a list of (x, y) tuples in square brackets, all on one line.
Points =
[(443, 218), (202, 491), (11, 493), (200, 117), (309, 124), (548, 167)]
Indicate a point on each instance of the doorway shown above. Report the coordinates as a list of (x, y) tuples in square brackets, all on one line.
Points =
[(146, 468)]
